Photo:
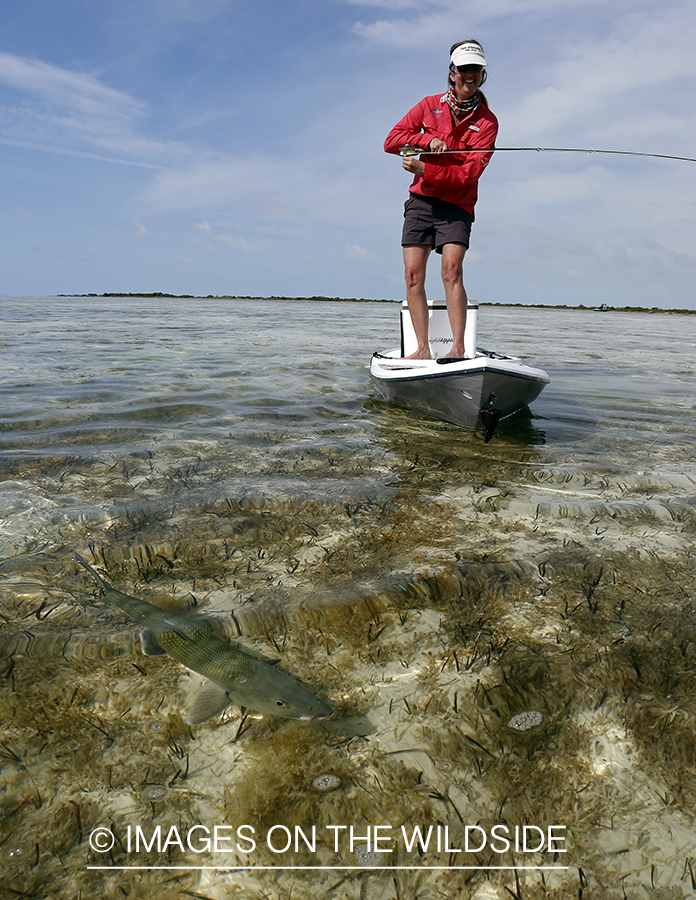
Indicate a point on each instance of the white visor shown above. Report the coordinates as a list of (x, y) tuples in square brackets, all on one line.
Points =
[(468, 55)]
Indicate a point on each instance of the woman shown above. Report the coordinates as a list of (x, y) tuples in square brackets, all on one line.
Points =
[(440, 208)]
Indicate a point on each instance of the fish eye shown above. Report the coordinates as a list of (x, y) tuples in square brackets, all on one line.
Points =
[(281, 703)]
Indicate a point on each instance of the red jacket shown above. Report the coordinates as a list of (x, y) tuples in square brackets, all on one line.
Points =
[(452, 177)]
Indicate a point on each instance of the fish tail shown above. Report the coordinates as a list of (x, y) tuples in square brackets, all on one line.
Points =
[(97, 577)]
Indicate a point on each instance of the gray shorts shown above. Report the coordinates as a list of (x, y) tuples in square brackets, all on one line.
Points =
[(428, 220)]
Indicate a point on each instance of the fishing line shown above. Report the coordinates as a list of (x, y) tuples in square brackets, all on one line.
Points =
[(408, 150)]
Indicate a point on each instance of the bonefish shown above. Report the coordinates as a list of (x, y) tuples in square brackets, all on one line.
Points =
[(234, 676)]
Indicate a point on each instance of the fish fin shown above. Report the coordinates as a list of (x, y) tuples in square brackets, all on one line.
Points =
[(213, 625), (210, 700), (149, 645), (256, 654)]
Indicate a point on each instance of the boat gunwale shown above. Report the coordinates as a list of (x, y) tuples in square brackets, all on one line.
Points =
[(484, 365)]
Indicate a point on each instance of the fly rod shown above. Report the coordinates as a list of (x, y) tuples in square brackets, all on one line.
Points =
[(408, 150)]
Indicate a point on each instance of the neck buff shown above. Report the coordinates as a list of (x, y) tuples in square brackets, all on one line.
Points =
[(462, 109)]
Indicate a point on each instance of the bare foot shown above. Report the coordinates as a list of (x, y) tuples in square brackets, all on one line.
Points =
[(420, 354), (455, 353)]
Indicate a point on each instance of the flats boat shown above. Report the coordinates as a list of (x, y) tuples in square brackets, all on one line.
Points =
[(475, 391)]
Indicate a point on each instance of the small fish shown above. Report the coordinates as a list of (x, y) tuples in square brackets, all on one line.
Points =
[(234, 676)]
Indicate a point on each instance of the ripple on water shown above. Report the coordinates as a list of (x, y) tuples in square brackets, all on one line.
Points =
[(440, 592)]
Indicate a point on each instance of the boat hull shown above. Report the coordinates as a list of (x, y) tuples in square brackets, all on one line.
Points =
[(457, 392)]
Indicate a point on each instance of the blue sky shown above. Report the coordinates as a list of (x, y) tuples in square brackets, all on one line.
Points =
[(231, 146)]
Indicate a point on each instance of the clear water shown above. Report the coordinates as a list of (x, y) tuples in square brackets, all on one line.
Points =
[(233, 455)]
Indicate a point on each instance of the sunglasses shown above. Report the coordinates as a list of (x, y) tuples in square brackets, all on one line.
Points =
[(465, 70)]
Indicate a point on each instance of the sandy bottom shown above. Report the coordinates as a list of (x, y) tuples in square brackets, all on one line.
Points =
[(507, 644)]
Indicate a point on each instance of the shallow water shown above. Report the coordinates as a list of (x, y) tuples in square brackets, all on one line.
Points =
[(436, 590)]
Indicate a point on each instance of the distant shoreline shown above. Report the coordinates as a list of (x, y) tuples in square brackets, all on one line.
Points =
[(604, 308)]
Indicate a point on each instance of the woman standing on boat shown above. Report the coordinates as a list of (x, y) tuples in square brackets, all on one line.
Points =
[(440, 208)]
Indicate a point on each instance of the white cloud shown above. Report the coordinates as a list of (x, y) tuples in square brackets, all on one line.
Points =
[(354, 251), (215, 181), (195, 12), (613, 87), (441, 17), (79, 92), (553, 188), (141, 229), (248, 246), (423, 32), (72, 112), (390, 4), (284, 194)]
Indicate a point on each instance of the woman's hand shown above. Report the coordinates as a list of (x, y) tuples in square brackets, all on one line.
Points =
[(413, 165), (437, 145)]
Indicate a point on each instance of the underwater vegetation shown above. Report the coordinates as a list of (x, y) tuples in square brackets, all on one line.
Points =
[(505, 642), (485, 692)]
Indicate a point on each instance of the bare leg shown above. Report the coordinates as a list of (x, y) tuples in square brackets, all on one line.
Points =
[(455, 293), (415, 262)]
